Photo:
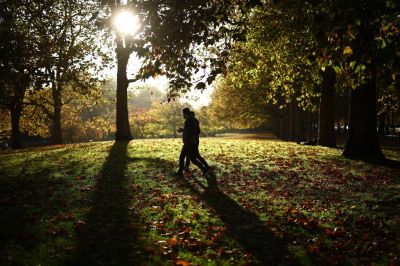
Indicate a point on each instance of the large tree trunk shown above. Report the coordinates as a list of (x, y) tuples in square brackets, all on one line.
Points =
[(362, 141), (15, 131), (285, 124), (56, 132), (276, 126), (123, 132), (292, 121), (381, 126), (15, 112), (326, 125), (346, 113), (300, 128)]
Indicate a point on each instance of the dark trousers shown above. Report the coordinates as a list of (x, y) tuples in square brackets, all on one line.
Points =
[(192, 153)]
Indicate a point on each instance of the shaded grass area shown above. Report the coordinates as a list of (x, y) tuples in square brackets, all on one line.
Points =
[(269, 203)]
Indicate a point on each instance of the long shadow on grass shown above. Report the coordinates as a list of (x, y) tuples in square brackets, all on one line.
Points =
[(386, 163), (29, 197), (244, 225), (108, 236), (24, 202)]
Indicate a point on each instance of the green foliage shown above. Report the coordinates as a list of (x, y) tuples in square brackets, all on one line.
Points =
[(119, 203), (238, 107), (273, 61)]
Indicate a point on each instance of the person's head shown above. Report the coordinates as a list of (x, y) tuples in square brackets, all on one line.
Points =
[(186, 112)]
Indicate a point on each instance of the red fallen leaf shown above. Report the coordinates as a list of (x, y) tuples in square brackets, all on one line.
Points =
[(313, 249), (56, 218), (290, 219), (79, 224), (182, 263), (313, 223), (56, 231), (172, 241), (337, 232), (80, 177), (185, 232)]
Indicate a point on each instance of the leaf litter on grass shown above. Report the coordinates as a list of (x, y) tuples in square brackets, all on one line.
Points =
[(321, 206)]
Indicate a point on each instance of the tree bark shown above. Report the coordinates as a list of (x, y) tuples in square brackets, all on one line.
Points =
[(15, 108), (123, 132), (300, 128), (285, 124), (381, 126), (362, 141), (15, 131), (292, 121), (346, 117), (56, 134), (326, 125)]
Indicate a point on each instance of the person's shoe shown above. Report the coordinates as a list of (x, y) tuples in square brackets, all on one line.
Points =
[(179, 174), (208, 172), (210, 169)]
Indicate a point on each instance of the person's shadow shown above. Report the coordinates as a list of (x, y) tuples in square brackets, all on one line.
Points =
[(243, 225), (107, 236)]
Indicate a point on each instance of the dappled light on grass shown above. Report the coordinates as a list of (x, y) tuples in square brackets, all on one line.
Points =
[(271, 202)]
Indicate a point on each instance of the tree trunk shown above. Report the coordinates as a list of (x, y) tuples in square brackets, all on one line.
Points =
[(15, 132), (346, 116), (362, 141), (310, 126), (56, 132), (326, 125), (15, 108), (381, 126), (300, 129), (393, 125), (338, 124), (123, 132), (292, 121), (285, 123), (276, 126)]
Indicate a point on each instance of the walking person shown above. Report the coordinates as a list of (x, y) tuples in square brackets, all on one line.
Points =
[(190, 137)]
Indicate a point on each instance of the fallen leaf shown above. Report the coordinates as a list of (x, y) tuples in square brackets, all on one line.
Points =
[(182, 263)]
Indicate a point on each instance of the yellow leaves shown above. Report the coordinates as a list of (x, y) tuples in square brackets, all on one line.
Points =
[(347, 50)]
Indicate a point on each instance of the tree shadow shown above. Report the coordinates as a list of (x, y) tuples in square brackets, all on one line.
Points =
[(29, 198), (109, 235), (24, 204), (244, 226), (389, 163)]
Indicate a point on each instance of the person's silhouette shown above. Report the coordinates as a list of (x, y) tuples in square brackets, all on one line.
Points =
[(190, 149)]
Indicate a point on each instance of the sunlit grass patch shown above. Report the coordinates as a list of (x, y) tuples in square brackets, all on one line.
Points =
[(106, 203)]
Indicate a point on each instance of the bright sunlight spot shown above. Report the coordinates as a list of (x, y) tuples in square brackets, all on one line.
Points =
[(126, 23)]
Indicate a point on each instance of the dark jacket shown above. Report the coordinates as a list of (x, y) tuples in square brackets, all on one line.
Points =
[(191, 131)]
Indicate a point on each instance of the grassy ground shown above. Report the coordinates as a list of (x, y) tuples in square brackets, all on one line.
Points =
[(270, 203)]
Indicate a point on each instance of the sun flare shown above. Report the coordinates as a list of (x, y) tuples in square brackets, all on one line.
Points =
[(126, 23)]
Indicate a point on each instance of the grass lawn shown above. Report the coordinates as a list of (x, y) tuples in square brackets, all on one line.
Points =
[(270, 203)]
